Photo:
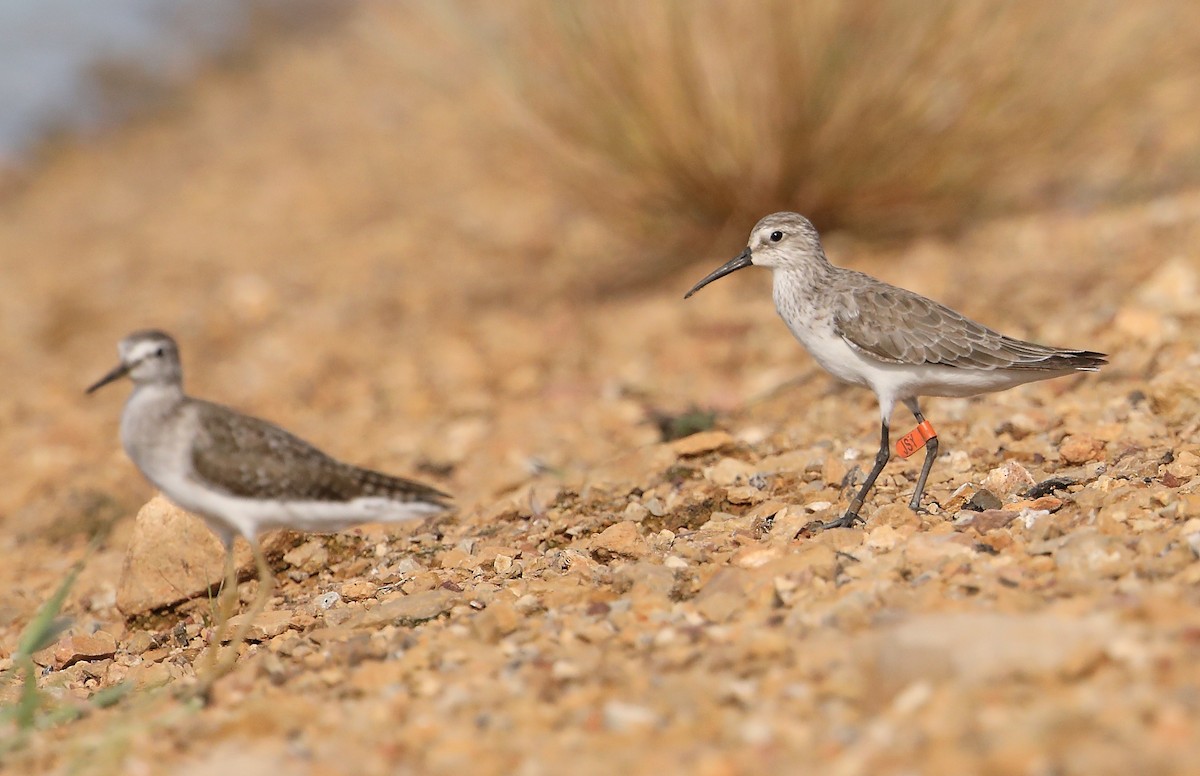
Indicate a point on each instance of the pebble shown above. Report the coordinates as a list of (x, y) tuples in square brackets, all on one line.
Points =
[(635, 512), (985, 521), (498, 620), (77, 647), (1080, 448), (1008, 479), (356, 590), (622, 539), (1185, 466), (729, 471), (310, 557), (267, 625), (623, 717), (328, 600)]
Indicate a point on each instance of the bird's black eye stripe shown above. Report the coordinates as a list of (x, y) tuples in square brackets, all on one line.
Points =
[(776, 236)]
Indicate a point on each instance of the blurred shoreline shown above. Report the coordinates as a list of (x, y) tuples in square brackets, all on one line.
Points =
[(72, 69)]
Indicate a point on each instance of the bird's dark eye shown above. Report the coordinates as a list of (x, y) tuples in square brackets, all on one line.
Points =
[(776, 236), (160, 352)]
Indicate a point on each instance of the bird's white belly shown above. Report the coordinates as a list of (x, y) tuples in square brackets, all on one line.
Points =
[(834, 354), (896, 382)]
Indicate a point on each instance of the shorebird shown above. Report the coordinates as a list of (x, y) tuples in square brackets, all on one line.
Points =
[(896, 342), (243, 475)]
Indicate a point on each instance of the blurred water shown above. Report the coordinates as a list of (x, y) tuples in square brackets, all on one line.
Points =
[(51, 51)]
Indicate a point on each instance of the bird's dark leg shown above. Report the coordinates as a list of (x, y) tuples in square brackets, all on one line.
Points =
[(881, 458), (931, 451)]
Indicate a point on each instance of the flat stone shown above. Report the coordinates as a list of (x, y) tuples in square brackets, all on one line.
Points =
[(622, 539), (77, 648), (975, 647), (358, 590), (646, 579), (408, 610), (1043, 504), (987, 520), (703, 442), (267, 625)]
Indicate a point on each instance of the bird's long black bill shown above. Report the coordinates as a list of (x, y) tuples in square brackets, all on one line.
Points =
[(741, 261), (119, 371)]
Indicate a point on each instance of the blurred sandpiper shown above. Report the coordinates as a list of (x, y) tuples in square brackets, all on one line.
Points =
[(243, 475), (897, 343)]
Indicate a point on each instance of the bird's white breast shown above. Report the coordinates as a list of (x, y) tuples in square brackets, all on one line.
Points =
[(813, 327)]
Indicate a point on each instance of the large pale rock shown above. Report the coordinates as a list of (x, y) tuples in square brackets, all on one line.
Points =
[(977, 647), (172, 556), (1086, 556)]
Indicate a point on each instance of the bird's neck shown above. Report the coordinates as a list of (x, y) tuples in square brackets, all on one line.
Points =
[(154, 401), (796, 287)]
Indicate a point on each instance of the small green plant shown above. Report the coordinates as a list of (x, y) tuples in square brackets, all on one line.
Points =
[(693, 421), (41, 632), (33, 708)]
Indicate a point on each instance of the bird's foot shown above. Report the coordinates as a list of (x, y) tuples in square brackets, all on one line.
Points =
[(930, 508), (848, 520)]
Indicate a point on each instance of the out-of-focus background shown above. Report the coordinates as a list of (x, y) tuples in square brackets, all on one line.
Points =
[(450, 239)]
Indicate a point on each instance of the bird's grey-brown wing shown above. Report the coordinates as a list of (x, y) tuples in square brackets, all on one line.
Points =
[(249, 457), (901, 327)]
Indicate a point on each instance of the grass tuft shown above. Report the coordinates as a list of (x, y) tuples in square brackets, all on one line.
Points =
[(691, 117)]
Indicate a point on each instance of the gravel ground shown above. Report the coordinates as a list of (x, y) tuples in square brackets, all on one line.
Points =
[(602, 599)]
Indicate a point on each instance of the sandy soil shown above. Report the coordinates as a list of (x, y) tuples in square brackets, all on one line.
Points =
[(365, 257)]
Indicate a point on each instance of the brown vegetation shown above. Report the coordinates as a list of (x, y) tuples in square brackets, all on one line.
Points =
[(875, 116)]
